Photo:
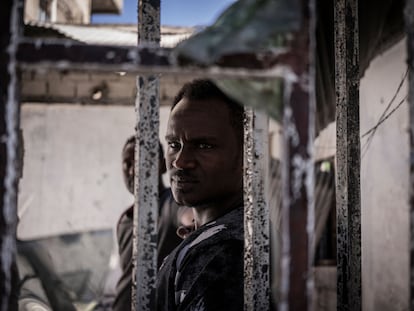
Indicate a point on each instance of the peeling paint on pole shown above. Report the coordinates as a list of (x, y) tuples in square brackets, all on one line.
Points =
[(146, 169), (149, 27), (348, 194), (409, 26), (9, 125), (146, 195), (256, 213)]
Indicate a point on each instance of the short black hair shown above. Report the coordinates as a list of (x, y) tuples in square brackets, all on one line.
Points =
[(205, 89), (131, 139)]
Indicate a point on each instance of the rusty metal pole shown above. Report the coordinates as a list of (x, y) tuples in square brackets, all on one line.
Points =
[(297, 285), (11, 21), (146, 169), (348, 194), (409, 27), (256, 212)]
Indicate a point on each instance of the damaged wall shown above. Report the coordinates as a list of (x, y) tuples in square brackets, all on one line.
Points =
[(385, 185), (72, 178), (115, 88)]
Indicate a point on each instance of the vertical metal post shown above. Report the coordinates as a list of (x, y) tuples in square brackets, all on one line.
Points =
[(146, 177), (256, 213), (348, 194), (297, 283), (11, 28), (409, 26)]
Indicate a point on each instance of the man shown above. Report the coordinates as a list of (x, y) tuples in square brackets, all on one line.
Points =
[(205, 164), (169, 221)]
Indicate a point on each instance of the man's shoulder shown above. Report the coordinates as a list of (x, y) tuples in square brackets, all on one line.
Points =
[(218, 232), (213, 270), (213, 240), (222, 242), (214, 254), (128, 214), (125, 220), (225, 235), (210, 257)]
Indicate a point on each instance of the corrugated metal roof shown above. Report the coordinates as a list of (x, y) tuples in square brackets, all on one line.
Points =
[(112, 34)]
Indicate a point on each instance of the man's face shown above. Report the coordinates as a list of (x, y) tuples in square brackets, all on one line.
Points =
[(128, 166), (204, 157)]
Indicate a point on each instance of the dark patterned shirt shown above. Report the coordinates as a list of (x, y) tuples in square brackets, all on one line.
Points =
[(205, 272)]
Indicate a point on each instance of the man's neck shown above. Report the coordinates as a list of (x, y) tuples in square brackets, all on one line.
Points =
[(206, 213), (161, 187)]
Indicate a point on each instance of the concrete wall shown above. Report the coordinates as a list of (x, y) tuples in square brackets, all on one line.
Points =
[(385, 186), (384, 190), (31, 10), (72, 177), (85, 8), (80, 87), (61, 11)]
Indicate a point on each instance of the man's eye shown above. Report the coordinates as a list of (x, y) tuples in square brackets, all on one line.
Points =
[(204, 146), (174, 145)]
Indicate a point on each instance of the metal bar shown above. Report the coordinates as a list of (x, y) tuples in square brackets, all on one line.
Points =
[(297, 285), (67, 55), (348, 196), (190, 72), (146, 176), (409, 27), (62, 52), (52, 49), (256, 213), (11, 22)]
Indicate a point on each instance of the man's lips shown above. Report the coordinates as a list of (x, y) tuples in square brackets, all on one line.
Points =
[(184, 180)]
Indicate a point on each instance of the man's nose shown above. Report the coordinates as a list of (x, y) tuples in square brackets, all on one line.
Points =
[(184, 159)]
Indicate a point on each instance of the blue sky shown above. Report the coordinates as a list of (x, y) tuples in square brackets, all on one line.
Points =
[(173, 12)]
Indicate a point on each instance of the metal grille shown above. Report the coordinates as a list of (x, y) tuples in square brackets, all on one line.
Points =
[(149, 59), (295, 69)]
